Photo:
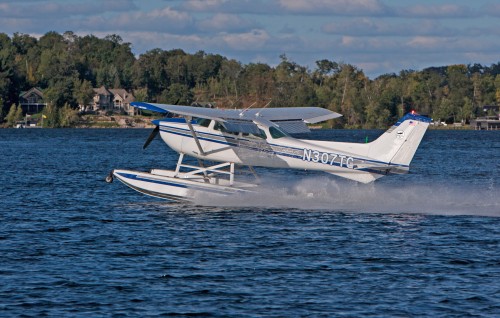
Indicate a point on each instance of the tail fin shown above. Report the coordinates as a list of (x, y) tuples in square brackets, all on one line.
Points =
[(398, 145)]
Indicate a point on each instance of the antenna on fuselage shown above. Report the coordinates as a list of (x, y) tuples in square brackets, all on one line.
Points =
[(258, 113)]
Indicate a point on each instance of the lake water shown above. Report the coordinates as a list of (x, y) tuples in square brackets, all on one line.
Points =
[(422, 244)]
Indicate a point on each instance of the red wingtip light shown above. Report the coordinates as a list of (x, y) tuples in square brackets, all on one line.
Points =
[(413, 112)]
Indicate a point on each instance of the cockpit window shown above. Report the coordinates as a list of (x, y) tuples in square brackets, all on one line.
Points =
[(218, 126), (262, 134), (276, 133), (204, 122)]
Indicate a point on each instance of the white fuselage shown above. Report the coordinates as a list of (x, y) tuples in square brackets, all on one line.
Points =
[(281, 151)]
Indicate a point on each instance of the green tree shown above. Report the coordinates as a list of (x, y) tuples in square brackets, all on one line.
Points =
[(141, 94), (444, 110), (67, 116), (459, 88), (51, 113), (351, 82), (257, 81), (2, 114), (61, 91), (324, 68), (19, 113), (83, 93), (178, 94), (229, 75), (26, 58), (7, 70), (11, 116), (467, 110)]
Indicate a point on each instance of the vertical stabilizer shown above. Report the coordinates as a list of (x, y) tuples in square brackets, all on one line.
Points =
[(398, 145)]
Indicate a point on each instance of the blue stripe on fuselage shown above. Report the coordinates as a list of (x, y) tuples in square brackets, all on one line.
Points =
[(187, 133)]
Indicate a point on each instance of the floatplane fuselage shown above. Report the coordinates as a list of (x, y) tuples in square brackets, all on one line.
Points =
[(259, 138)]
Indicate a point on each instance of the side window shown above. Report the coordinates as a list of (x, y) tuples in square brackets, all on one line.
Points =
[(276, 133), (203, 122), (261, 134), (218, 126)]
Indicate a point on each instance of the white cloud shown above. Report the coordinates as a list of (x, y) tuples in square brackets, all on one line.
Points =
[(437, 11), (40, 10), (204, 5), (379, 27), (426, 42), (225, 22), (158, 20), (231, 6), (492, 9), (339, 7), (252, 40)]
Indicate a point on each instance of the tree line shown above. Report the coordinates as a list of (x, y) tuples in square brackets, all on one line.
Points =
[(67, 66)]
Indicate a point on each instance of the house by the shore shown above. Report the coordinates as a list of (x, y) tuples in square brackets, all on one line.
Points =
[(31, 101), (489, 122), (104, 99), (111, 99)]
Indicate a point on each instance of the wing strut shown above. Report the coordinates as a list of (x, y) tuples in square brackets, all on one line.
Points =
[(193, 133)]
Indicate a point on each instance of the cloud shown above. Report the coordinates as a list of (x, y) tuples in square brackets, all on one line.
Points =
[(158, 20), (252, 40), (371, 27), (50, 9), (491, 10), (426, 42), (436, 11), (231, 6), (337, 7), (222, 22), (204, 5), (288, 7)]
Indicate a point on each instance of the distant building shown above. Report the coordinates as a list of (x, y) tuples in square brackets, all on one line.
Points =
[(491, 109), (122, 99), (101, 99), (490, 122), (114, 99), (31, 101)]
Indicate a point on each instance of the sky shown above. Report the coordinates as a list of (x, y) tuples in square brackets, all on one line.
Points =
[(377, 36)]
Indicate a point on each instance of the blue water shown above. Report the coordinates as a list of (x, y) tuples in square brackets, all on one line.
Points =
[(422, 244)]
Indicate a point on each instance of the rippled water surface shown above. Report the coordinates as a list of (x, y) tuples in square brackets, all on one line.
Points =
[(309, 244)]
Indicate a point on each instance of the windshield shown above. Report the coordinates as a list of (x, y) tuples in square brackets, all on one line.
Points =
[(276, 132)]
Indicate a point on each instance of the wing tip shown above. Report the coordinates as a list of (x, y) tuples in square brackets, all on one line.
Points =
[(148, 106)]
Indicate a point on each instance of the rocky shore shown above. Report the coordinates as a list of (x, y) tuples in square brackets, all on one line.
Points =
[(114, 121)]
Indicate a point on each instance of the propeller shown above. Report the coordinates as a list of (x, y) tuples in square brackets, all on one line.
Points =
[(151, 137)]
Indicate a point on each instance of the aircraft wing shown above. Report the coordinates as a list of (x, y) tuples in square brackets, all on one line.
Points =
[(192, 111), (308, 115)]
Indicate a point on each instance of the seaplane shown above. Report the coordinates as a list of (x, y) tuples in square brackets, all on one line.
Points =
[(224, 142)]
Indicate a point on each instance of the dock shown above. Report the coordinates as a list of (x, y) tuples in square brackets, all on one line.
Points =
[(486, 123)]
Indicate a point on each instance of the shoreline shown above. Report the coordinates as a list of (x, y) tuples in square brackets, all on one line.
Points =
[(141, 122)]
